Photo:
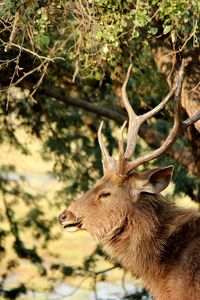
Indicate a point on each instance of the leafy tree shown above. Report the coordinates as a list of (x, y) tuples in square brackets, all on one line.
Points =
[(62, 66)]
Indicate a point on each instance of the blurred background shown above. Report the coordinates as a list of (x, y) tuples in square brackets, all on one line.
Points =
[(62, 65)]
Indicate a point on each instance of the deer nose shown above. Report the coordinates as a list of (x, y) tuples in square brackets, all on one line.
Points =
[(66, 215), (62, 217)]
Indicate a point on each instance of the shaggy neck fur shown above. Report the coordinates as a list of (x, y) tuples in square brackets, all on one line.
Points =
[(151, 238)]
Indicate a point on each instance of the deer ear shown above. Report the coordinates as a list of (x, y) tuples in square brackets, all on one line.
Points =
[(158, 180)]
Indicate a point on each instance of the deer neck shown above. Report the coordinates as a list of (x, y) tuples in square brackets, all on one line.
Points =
[(141, 240), (137, 250)]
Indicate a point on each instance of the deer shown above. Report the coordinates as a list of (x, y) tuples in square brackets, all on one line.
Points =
[(124, 211)]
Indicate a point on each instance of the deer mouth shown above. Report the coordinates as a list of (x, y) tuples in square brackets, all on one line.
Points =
[(71, 227)]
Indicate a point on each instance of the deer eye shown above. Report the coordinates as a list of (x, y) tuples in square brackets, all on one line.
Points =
[(104, 195)]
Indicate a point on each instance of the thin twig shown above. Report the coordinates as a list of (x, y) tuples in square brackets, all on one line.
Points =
[(194, 88), (40, 80), (124, 283), (13, 32), (95, 287), (72, 292), (33, 53), (186, 41), (16, 70), (27, 74)]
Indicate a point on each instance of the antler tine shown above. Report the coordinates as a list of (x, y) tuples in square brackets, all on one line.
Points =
[(173, 133), (124, 94), (104, 151), (156, 109), (121, 149), (133, 125), (136, 121)]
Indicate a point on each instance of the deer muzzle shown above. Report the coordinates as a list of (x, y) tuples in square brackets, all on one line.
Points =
[(69, 221)]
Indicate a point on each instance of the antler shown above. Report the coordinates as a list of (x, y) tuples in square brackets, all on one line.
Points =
[(123, 166), (108, 161)]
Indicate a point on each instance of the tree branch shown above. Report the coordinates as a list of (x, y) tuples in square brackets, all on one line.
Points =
[(101, 111), (192, 120)]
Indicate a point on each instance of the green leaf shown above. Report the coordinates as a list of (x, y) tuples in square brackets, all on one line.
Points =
[(45, 40), (167, 29)]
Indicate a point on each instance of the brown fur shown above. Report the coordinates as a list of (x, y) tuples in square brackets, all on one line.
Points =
[(147, 235)]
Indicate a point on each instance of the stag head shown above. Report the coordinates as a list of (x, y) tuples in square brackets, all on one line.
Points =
[(106, 206)]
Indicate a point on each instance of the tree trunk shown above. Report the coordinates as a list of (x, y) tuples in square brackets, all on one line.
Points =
[(168, 63)]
